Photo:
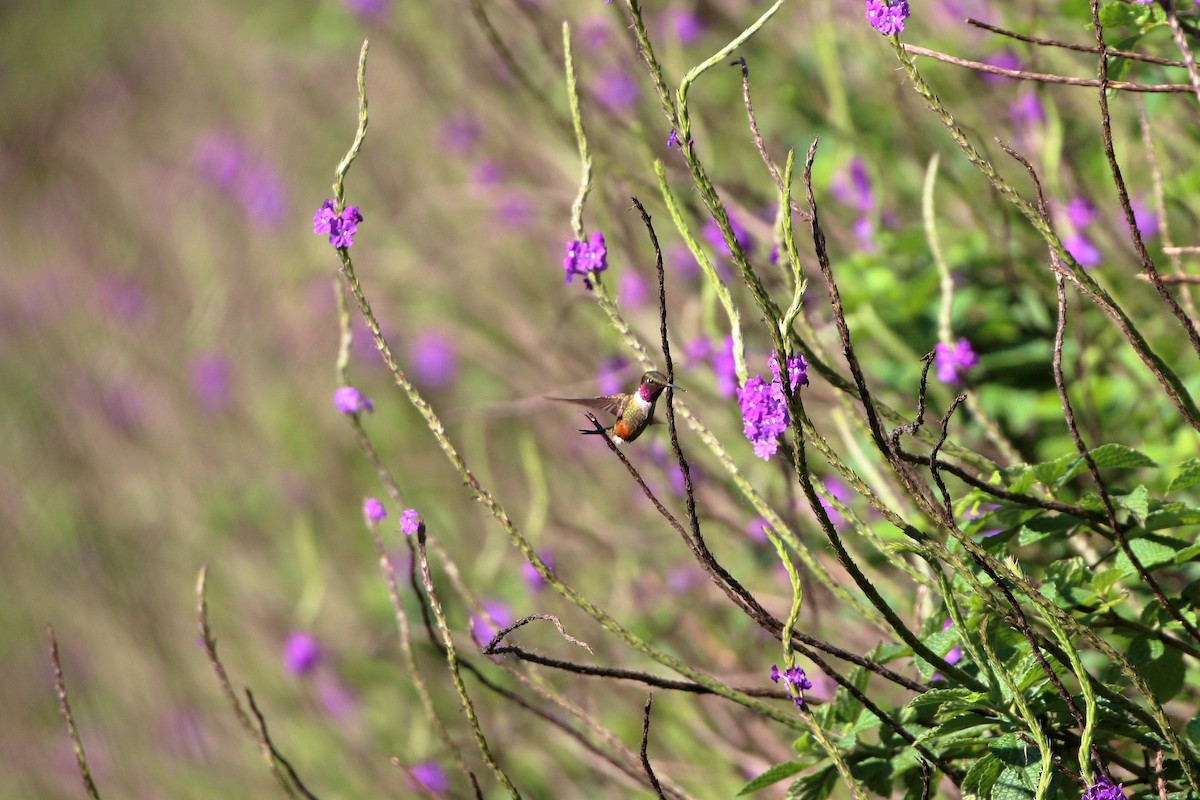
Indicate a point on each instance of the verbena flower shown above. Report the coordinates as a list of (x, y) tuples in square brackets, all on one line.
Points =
[(1144, 216), (725, 368), (796, 681), (887, 16), (616, 90), (757, 530), (764, 415), (1005, 59), (842, 494), (1080, 212), (339, 227), (431, 776), (952, 361), (410, 521), (459, 134), (210, 383), (686, 25), (609, 375), (1081, 249), (433, 359), (797, 371), (1103, 789), (585, 257), (301, 653), (631, 288), (483, 629), (534, 582), (712, 234), (349, 400), (373, 510), (368, 9)]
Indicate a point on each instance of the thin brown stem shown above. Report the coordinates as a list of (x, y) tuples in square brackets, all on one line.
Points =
[(64, 708)]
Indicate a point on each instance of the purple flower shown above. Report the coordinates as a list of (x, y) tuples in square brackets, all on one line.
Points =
[(797, 371), (686, 25), (955, 654), (261, 192), (534, 582), (410, 521), (483, 629), (864, 232), (1005, 59), (631, 288), (219, 159), (430, 776), (796, 681), (696, 350), (349, 400), (368, 9), (853, 187), (842, 494), (672, 138), (339, 227), (124, 297), (514, 209), (953, 360), (887, 16), (1080, 212), (681, 261), (1144, 216), (459, 134), (764, 415), (675, 477), (488, 173), (609, 375), (757, 530), (1103, 789), (1081, 249), (585, 257), (593, 33), (336, 697), (712, 234), (725, 368), (433, 359), (373, 511), (1026, 112), (616, 90), (300, 653), (210, 382)]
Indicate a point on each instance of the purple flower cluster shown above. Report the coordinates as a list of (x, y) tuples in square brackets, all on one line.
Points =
[(796, 681), (952, 361), (410, 521), (854, 189), (301, 653), (224, 161), (887, 16), (1103, 789), (340, 228), (373, 511), (764, 407), (349, 400), (583, 258)]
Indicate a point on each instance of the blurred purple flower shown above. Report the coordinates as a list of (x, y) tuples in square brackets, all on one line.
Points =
[(1080, 212), (1026, 112), (483, 630), (261, 192), (373, 511), (336, 697), (953, 360), (955, 654), (631, 288), (433, 359), (123, 297), (887, 16), (349, 400), (410, 521), (368, 9), (210, 383), (686, 25), (459, 134), (764, 415), (841, 493), (593, 33), (864, 232), (712, 234), (675, 477), (339, 227), (756, 530), (697, 350), (853, 186), (1005, 59), (1144, 216), (681, 261), (514, 209), (431, 777), (122, 405), (487, 173), (1082, 250), (301, 653), (616, 90), (585, 257), (683, 578), (610, 375), (219, 159), (534, 582), (725, 369)]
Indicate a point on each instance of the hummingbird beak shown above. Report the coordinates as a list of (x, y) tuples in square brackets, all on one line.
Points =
[(673, 386)]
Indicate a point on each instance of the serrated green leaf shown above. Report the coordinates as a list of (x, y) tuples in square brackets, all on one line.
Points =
[(1110, 456), (978, 782), (958, 698), (1192, 729), (1153, 551), (1189, 475), (1162, 667), (1138, 503), (817, 785), (1174, 515), (1118, 15), (875, 774), (1189, 553), (773, 775), (1044, 526), (1014, 783)]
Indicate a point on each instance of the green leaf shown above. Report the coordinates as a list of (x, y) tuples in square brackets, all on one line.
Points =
[(1046, 525), (1153, 551), (773, 775), (1189, 475), (814, 786), (955, 698), (978, 782), (1111, 456), (1173, 515), (875, 774), (1162, 667), (1138, 503), (1118, 15), (1192, 729)]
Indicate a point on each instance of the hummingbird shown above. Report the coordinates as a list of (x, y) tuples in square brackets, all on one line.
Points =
[(633, 411)]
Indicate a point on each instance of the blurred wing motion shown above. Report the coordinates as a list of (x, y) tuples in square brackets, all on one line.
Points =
[(612, 403)]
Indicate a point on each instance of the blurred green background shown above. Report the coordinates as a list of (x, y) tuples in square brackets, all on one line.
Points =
[(169, 335)]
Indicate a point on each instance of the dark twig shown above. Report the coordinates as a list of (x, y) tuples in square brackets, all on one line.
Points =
[(937, 477), (1189, 60), (64, 708), (1135, 235), (645, 742), (1079, 48), (1042, 77), (491, 646), (758, 139), (266, 737)]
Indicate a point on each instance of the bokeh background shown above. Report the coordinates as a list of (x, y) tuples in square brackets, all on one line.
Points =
[(168, 335)]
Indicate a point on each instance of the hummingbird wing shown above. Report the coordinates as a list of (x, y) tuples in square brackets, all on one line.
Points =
[(612, 403)]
